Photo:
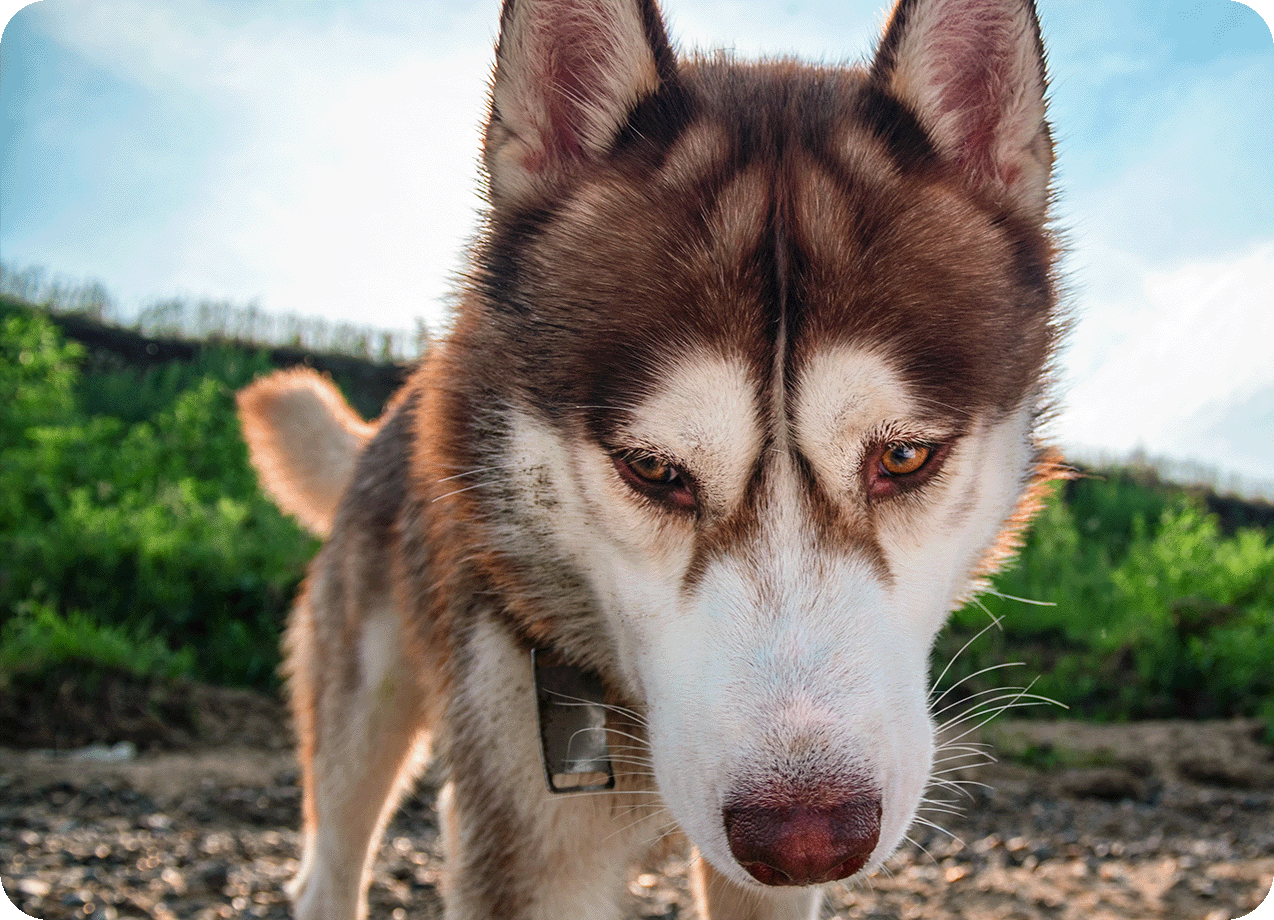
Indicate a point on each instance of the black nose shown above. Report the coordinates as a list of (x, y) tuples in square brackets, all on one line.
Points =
[(804, 845)]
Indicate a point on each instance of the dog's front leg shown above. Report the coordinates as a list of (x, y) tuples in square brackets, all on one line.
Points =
[(503, 866), (720, 898), (358, 710), (515, 851)]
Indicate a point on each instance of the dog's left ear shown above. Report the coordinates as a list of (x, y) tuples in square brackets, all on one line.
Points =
[(973, 73), (568, 74)]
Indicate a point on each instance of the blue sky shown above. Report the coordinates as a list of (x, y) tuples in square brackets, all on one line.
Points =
[(320, 157)]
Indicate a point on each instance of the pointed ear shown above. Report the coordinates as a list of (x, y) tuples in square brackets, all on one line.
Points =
[(973, 72), (568, 74)]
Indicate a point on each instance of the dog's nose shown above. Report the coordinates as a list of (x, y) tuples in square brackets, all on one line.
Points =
[(804, 845)]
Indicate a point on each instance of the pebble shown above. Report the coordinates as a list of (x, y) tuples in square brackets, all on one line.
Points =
[(96, 849)]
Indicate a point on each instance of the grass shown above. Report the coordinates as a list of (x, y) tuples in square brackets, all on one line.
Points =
[(38, 640)]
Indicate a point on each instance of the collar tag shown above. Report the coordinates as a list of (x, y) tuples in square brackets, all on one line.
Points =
[(572, 715)]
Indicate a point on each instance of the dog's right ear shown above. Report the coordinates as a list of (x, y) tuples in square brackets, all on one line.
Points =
[(568, 73)]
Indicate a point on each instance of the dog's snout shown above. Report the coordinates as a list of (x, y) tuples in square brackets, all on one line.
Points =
[(804, 844)]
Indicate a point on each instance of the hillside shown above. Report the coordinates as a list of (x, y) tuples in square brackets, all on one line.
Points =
[(137, 542)]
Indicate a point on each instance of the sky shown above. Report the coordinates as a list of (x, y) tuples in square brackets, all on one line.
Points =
[(320, 157)]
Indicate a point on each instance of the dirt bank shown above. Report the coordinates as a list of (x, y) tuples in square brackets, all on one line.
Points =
[(1161, 821)]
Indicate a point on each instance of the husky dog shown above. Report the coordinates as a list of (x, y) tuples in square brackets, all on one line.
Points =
[(740, 399)]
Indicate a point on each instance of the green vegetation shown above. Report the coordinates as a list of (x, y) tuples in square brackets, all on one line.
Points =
[(137, 522), (133, 537), (1128, 601), (38, 640)]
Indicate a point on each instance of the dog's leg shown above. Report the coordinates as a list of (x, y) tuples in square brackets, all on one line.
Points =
[(514, 850), (719, 898), (571, 860), (358, 709)]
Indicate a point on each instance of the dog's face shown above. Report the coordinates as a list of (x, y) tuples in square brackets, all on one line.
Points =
[(756, 353)]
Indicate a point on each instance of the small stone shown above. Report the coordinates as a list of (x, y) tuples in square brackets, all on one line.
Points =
[(34, 887)]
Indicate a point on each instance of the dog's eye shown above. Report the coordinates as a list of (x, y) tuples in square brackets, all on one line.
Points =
[(904, 459), (656, 478), (653, 470), (896, 467)]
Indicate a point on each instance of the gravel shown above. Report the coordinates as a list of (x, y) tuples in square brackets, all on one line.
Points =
[(1141, 822)]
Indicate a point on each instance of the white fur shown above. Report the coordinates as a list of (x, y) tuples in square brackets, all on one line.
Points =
[(368, 759), (684, 421), (587, 840), (784, 644), (848, 396)]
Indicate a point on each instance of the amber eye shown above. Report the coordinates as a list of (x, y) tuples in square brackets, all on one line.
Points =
[(904, 459), (652, 470), (657, 479)]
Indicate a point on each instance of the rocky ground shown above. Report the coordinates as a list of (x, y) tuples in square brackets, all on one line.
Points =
[(1155, 821)]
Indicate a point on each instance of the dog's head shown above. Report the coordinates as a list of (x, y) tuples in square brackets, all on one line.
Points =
[(744, 391)]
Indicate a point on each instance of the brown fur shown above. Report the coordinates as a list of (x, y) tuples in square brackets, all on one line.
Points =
[(771, 210)]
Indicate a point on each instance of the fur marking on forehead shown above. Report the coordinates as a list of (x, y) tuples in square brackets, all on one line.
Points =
[(739, 219), (844, 392), (704, 414)]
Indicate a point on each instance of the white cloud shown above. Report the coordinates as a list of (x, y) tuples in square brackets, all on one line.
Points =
[(1160, 346), (343, 171), (354, 204), (1168, 209)]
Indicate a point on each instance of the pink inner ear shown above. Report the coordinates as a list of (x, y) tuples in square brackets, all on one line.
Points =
[(566, 85), (574, 48), (980, 61), (979, 96)]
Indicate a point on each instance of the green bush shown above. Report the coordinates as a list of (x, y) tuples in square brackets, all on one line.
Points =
[(37, 377), (135, 394), (1197, 616), (1144, 610), (37, 639), (152, 527)]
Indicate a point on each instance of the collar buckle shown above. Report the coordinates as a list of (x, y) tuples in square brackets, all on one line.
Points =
[(570, 703)]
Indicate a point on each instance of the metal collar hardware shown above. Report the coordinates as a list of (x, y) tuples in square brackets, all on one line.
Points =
[(572, 714)]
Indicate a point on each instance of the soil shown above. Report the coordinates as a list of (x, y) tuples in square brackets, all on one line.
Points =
[(193, 817)]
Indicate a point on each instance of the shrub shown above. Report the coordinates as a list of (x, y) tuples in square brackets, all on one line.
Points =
[(151, 528), (37, 639), (1129, 616)]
